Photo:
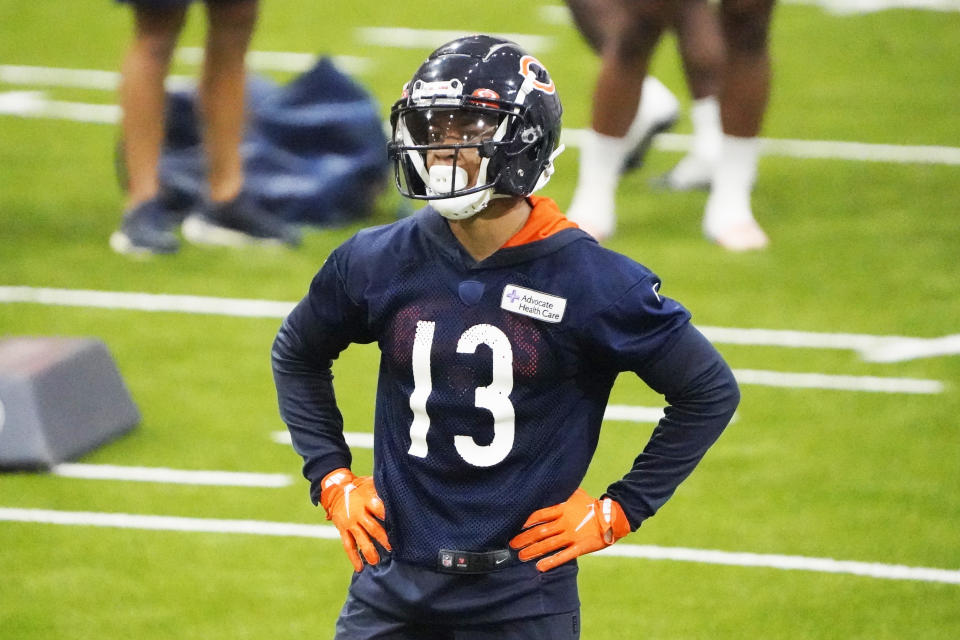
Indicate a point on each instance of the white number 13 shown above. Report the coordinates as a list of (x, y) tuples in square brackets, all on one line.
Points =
[(495, 397)]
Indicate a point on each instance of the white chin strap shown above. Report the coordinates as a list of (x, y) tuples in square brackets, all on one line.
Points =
[(442, 179)]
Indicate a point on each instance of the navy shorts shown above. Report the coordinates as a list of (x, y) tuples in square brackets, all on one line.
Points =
[(359, 621)]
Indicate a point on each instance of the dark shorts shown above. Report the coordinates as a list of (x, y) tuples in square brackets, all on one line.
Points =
[(359, 621), (413, 594), (169, 4)]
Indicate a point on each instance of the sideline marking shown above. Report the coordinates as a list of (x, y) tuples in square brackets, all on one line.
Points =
[(327, 532), (171, 476), (871, 347)]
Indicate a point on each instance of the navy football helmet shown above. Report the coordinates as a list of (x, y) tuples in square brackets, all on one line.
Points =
[(475, 96)]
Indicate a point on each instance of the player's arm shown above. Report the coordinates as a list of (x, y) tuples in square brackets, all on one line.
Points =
[(702, 395), (314, 333), (651, 335), (307, 403), (310, 337)]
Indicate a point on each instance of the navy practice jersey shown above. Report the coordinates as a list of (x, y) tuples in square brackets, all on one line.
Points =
[(493, 380)]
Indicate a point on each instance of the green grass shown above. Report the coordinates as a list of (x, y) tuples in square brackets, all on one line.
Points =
[(856, 247)]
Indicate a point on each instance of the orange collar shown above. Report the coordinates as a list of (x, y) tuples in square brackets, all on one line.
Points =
[(545, 220)]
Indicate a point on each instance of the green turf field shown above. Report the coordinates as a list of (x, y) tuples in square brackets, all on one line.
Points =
[(858, 247)]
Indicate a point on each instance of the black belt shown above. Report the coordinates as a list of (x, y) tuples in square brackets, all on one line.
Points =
[(452, 561)]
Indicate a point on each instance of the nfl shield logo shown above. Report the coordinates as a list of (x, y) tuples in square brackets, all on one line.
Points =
[(446, 559)]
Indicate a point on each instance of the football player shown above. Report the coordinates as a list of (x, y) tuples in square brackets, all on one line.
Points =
[(700, 46), (231, 216), (625, 34), (501, 327)]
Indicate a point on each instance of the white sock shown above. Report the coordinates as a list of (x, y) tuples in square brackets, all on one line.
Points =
[(707, 131), (695, 170), (601, 158), (729, 201)]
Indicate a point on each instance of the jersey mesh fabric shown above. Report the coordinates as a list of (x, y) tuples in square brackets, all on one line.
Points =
[(473, 507), (553, 380)]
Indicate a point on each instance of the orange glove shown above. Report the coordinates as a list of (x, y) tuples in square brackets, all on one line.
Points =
[(572, 528), (357, 512)]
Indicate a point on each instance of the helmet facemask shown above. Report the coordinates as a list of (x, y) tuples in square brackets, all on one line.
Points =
[(445, 153)]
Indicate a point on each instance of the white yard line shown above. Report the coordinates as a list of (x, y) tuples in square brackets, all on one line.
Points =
[(35, 104), (863, 343), (96, 79), (630, 413), (855, 151), (873, 348), (822, 149), (290, 61), (429, 39), (37, 76), (913, 348), (103, 80), (846, 7), (623, 550), (775, 561), (147, 302), (355, 439), (167, 523), (872, 384), (171, 476)]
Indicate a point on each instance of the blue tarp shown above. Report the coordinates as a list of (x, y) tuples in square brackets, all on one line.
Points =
[(314, 150)]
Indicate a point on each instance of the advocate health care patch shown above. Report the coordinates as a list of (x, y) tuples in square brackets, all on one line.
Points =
[(535, 304)]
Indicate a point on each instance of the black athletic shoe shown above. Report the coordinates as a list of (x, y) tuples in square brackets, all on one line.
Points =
[(636, 157), (657, 112), (239, 223), (146, 229)]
